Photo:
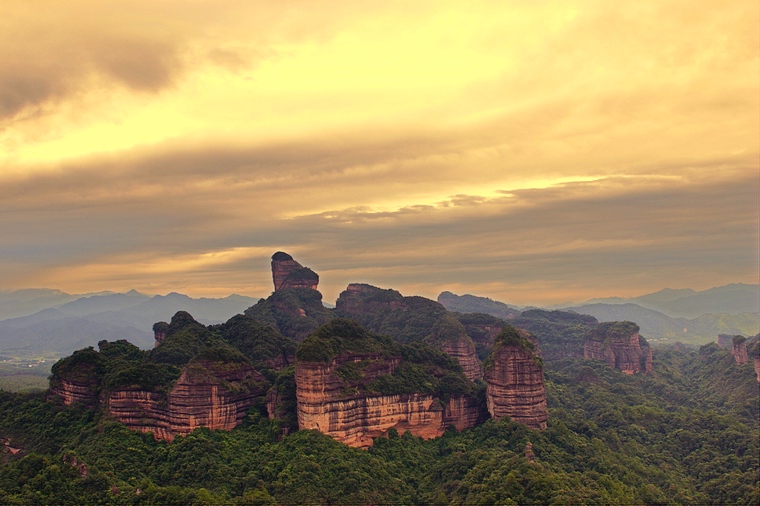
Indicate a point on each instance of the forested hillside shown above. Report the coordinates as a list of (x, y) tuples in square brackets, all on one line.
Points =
[(687, 433)]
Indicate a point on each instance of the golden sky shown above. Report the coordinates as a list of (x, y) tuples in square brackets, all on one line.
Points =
[(532, 152)]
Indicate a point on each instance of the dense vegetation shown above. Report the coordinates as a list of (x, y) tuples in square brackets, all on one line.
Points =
[(685, 434), (293, 312), (387, 312), (422, 367), (560, 333)]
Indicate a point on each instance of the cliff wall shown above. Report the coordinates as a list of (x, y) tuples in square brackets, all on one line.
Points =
[(73, 391), (515, 378), (341, 410), (216, 396), (620, 345), (739, 350), (287, 273)]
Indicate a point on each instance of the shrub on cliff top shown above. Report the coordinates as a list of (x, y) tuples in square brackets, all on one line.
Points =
[(510, 336), (447, 328), (738, 340), (80, 366)]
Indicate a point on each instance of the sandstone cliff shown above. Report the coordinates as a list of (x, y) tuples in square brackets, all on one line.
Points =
[(76, 379), (739, 349), (287, 273), (515, 377), (449, 335), (207, 394), (620, 345), (352, 386)]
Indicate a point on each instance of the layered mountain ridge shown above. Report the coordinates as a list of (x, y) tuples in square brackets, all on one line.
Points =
[(378, 362)]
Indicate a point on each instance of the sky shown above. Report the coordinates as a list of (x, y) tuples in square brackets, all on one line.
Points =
[(532, 152)]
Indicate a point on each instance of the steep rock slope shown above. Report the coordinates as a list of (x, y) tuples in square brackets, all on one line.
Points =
[(192, 378), (354, 386), (209, 394), (287, 273), (449, 335), (295, 307), (515, 377), (620, 345)]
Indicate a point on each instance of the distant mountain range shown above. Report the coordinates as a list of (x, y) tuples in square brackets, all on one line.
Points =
[(61, 323), (666, 316), (37, 321), (735, 298)]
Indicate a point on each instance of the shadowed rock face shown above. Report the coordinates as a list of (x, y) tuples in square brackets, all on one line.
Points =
[(73, 391), (620, 345), (515, 377), (210, 395), (449, 335), (739, 350), (353, 418), (287, 273)]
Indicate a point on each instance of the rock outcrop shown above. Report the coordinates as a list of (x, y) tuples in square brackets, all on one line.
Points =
[(287, 273), (388, 312), (76, 379), (739, 349), (620, 345), (73, 391), (355, 418), (515, 377), (213, 395), (348, 394), (450, 336)]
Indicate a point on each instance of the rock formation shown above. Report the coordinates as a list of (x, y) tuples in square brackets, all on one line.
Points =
[(207, 394), (287, 273), (739, 349), (620, 345), (724, 341), (482, 329), (450, 336), (76, 379), (337, 392), (74, 391), (515, 376), (388, 312)]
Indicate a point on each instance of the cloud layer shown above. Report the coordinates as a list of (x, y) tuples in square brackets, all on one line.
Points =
[(535, 155)]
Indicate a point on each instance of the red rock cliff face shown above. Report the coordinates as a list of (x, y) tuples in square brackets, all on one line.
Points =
[(620, 349), (72, 391), (757, 367), (516, 387), (450, 336), (287, 273), (215, 395), (463, 350), (739, 352), (353, 418)]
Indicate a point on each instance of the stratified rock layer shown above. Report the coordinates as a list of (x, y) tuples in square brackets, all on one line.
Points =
[(75, 392), (449, 335), (287, 273), (739, 350), (515, 378), (216, 396), (355, 418), (620, 345)]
